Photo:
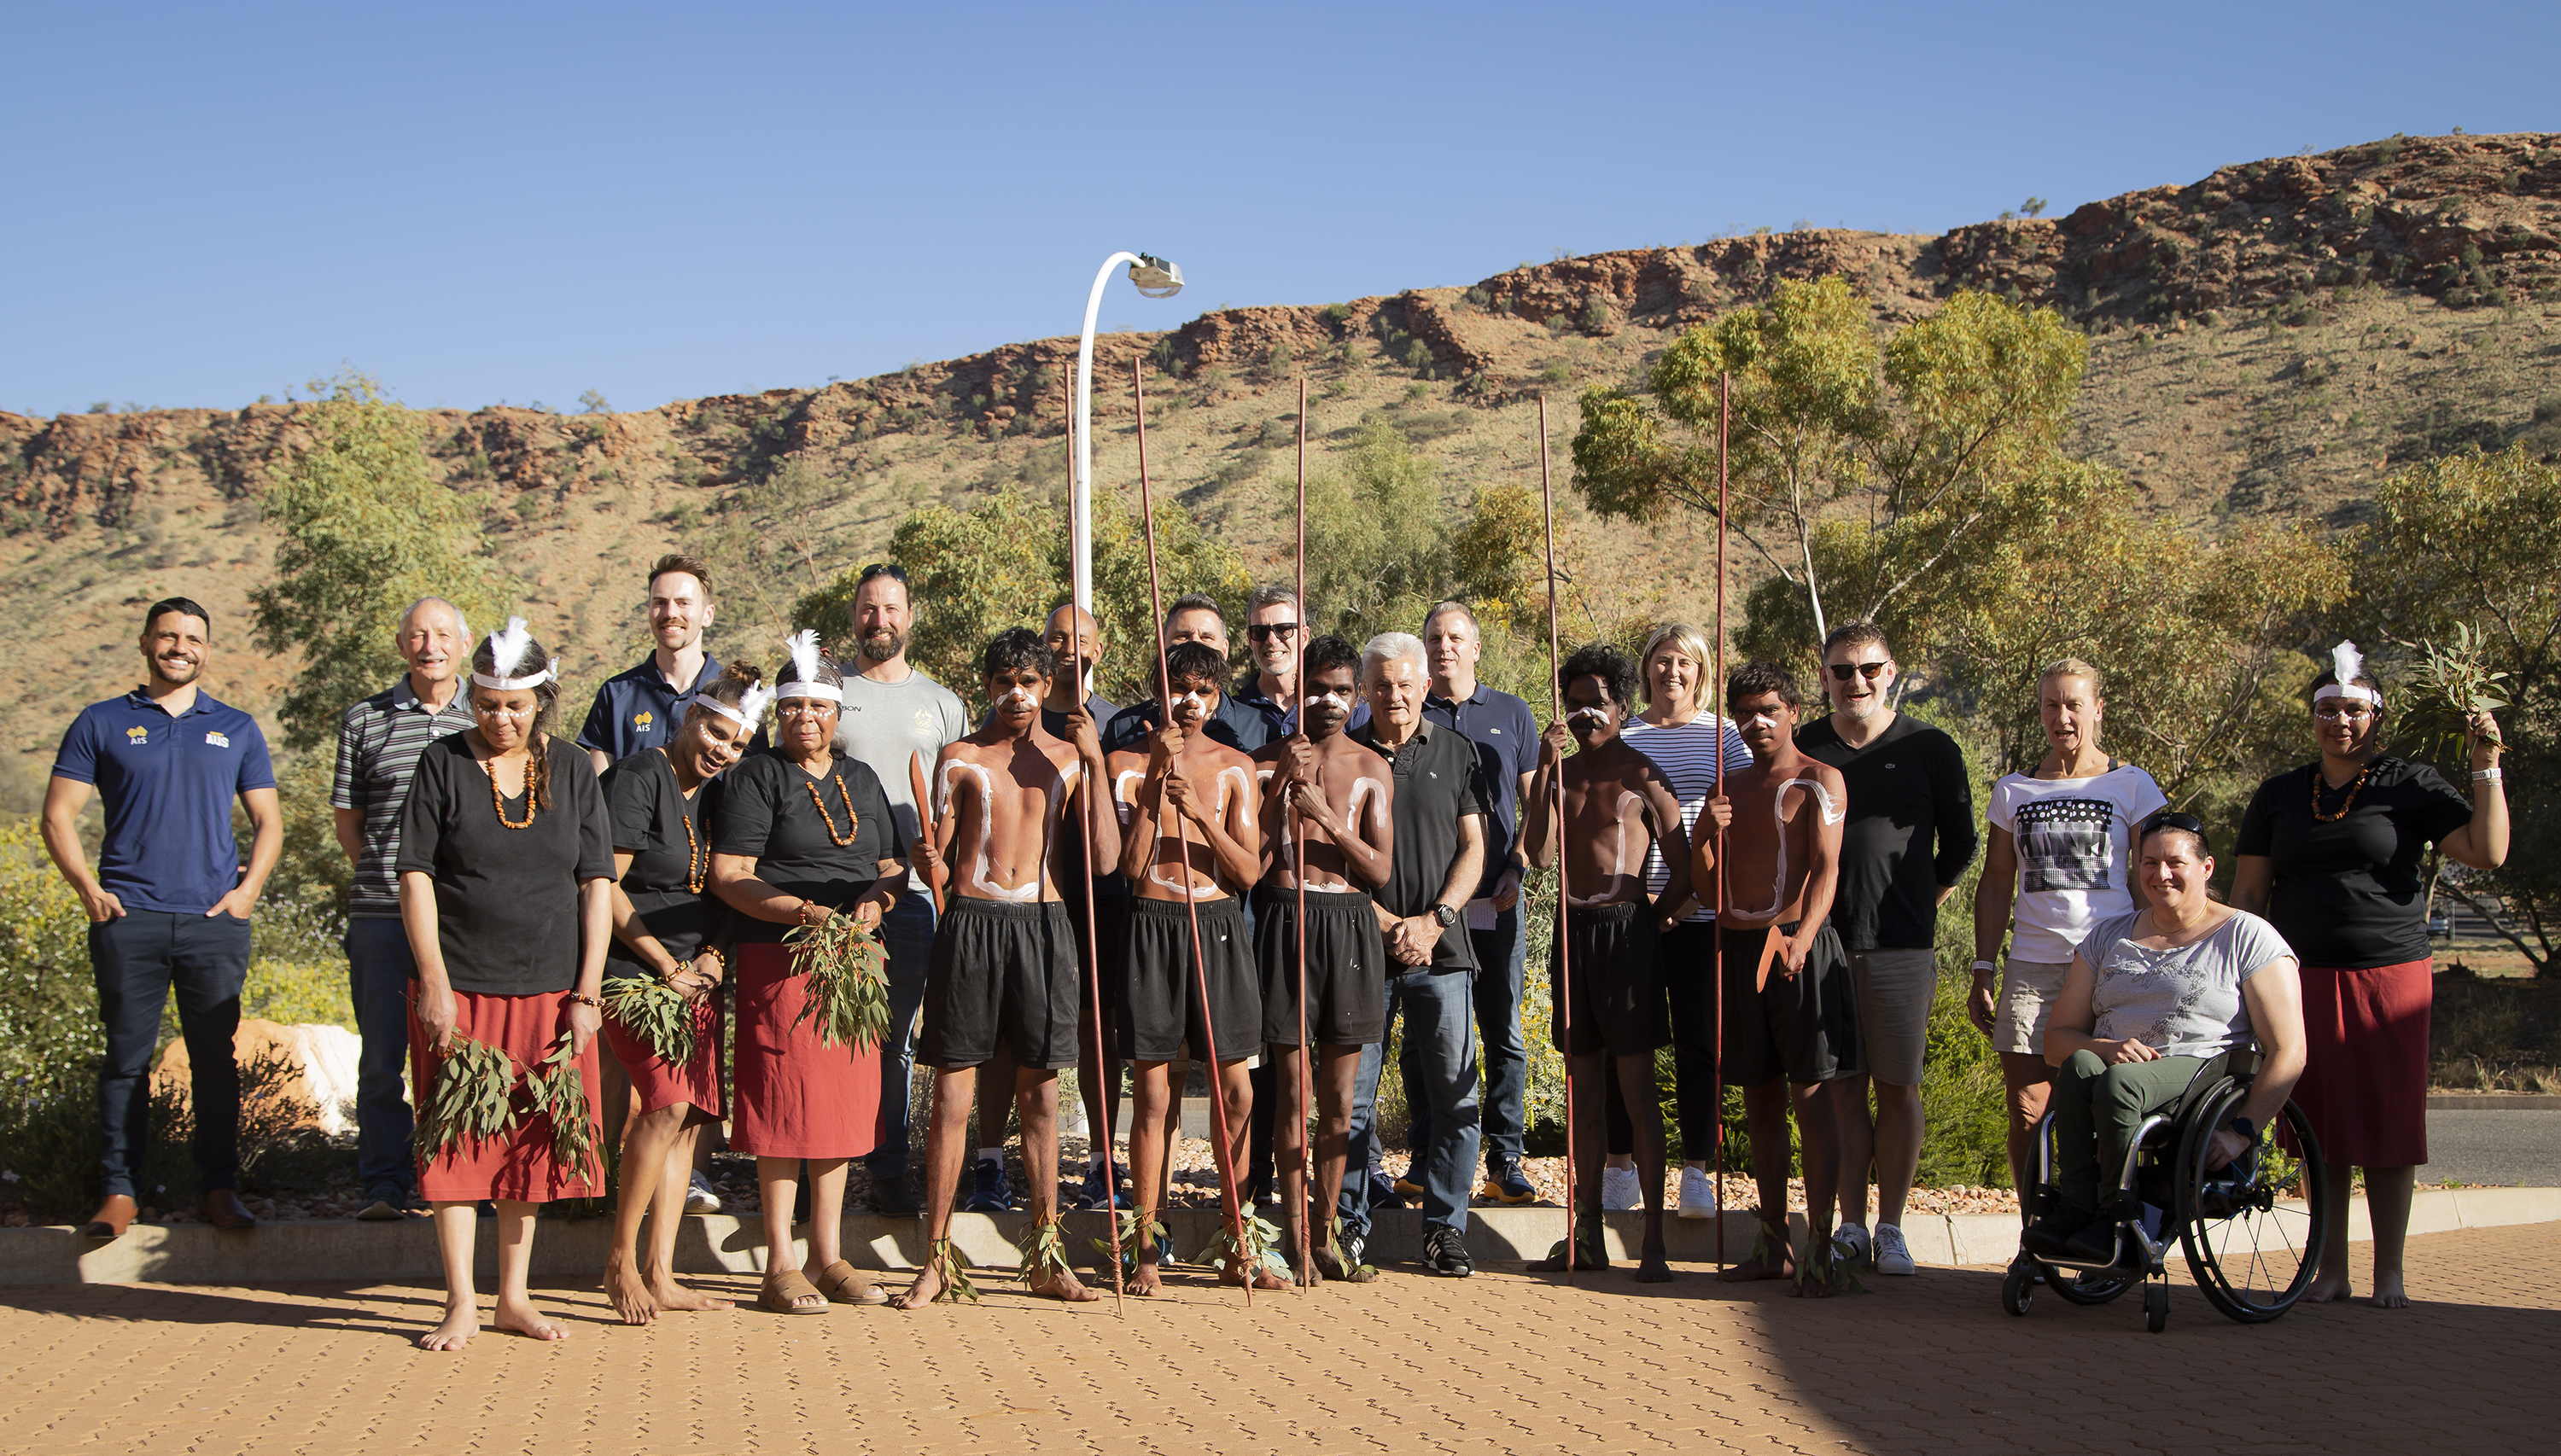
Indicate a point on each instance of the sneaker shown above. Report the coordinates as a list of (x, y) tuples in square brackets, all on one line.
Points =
[(990, 1191), (699, 1198), (1622, 1189), (2094, 1244), (1506, 1183), (1851, 1242), (1445, 1253), (1097, 1193), (384, 1209), (891, 1200), (1697, 1195), (1892, 1257), (2050, 1236)]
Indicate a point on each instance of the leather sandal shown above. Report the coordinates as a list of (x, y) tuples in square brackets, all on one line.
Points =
[(783, 1288), (842, 1283)]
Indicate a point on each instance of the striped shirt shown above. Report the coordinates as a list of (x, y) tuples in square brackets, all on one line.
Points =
[(1686, 754), (379, 740)]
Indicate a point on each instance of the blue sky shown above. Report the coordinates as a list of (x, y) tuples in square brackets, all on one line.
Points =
[(205, 204)]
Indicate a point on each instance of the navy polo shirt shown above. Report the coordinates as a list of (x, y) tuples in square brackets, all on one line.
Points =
[(1506, 734), (638, 709), (1236, 726), (1281, 719), (168, 785)]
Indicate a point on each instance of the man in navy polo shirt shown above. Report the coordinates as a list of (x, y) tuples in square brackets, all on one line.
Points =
[(169, 904), (643, 706)]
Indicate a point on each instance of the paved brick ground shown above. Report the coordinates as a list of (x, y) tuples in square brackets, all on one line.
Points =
[(1501, 1363)]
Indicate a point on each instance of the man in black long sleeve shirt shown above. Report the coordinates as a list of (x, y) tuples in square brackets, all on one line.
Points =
[(1909, 836)]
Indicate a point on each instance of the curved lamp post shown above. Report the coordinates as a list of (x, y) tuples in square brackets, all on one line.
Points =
[(1155, 278)]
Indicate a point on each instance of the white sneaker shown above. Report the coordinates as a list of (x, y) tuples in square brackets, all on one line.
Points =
[(699, 1198), (1622, 1189), (1697, 1195), (1850, 1241), (1891, 1256)]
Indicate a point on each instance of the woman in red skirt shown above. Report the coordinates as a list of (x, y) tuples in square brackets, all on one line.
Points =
[(802, 834), (667, 929), (506, 872), (2332, 854)]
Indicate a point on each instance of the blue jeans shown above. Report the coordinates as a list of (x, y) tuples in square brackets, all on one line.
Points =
[(138, 958), (1440, 1056), (379, 970), (907, 933), (1500, 954)]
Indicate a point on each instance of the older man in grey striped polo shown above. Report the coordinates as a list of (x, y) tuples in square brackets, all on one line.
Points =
[(378, 743)]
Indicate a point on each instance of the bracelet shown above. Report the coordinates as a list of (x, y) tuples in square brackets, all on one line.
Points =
[(682, 967), (1985, 965), (2490, 775), (584, 1000)]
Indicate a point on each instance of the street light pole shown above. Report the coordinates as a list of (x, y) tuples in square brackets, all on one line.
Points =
[(1156, 278)]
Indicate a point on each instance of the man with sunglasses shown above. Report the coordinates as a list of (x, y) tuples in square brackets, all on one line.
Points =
[(1909, 836), (893, 717), (1274, 625)]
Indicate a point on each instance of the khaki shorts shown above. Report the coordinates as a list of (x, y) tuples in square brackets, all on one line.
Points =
[(1892, 990), (2028, 992)]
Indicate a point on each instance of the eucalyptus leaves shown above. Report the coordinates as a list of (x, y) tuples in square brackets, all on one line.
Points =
[(848, 989), (475, 1098), (655, 1011), (1260, 1248), (2459, 673)]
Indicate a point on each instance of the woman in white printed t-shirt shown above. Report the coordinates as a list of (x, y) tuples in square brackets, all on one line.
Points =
[(2059, 862)]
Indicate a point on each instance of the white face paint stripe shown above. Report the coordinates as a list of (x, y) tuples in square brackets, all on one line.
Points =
[(987, 828)]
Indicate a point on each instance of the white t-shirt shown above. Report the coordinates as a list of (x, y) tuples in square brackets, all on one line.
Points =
[(2075, 844), (882, 723)]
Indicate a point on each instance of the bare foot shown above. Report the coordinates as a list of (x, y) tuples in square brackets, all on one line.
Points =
[(520, 1317), (1814, 1289), (629, 1292), (461, 1322), (2324, 1289), (1782, 1266), (1063, 1286), (1587, 1257), (928, 1284), (1145, 1280), (674, 1296), (1263, 1279), (1653, 1269), (2388, 1293)]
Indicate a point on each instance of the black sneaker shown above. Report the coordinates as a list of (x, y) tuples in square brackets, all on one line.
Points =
[(1445, 1253), (892, 1200), (2093, 1244), (991, 1191), (2050, 1237)]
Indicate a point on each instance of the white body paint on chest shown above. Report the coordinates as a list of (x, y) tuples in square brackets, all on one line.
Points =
[(978, 875), (1619, 867), (1779, 816)]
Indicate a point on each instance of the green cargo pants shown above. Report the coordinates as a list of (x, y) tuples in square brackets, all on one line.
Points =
[(2097, 1110)]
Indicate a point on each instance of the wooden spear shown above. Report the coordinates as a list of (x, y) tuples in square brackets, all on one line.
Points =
[(1299, 872), (1716, 953)]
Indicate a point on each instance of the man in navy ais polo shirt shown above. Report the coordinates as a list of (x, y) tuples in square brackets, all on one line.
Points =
[(643, 706), (168, 904)]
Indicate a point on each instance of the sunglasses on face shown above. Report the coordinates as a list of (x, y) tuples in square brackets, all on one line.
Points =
[(1840, 670), (1265, 631)]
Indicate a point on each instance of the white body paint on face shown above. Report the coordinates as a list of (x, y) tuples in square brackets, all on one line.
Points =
[(1832, 814)]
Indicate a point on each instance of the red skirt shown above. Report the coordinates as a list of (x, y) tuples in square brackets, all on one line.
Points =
[(2365, 1080), (516, 1165), (658, 1083), (798, 1096)]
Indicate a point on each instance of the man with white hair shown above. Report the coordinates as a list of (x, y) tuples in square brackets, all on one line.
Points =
[(1438, 820), (378, 743)]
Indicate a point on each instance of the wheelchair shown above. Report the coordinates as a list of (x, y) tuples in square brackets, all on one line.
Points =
[(2253, 1230)]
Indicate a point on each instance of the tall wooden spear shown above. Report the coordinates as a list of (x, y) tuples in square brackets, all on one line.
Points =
[(1564, 966), (1298, 873), (1102, 1134), (1716, 954), (1227, 1182)]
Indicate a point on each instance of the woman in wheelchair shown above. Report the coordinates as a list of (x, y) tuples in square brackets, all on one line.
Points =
[(2152, 1000)]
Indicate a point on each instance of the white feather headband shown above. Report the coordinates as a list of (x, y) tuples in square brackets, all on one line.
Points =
[(750, 711), (507, 651), (2347, 663), (803, 681)]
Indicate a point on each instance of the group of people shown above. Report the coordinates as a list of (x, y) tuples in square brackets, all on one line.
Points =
[(1257, 875)]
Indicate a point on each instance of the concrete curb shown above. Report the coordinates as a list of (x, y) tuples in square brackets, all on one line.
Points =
[(2494, 1102), (359, 1252)]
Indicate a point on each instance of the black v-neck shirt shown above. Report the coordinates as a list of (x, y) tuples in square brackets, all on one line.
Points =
[(766, 813), (651, 818), (506, 899), (2349, 893)]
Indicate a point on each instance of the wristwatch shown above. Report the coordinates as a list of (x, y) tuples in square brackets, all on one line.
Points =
[(1444, 916), (2249, 1130)]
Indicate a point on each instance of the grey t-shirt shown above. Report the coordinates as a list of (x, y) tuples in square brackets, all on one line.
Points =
[(884, 722), (2183, 1002)]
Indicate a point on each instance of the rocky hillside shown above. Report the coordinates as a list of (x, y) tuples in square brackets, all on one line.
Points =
[(2267, 340)]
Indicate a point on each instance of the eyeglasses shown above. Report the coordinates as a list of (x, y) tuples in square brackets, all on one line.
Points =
[(1263, 631), (1840, 670)]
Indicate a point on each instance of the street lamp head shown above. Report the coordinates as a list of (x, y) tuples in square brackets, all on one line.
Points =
[(1157, 277)]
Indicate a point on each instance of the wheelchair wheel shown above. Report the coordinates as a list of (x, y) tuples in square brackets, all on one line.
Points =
[(2157, 1305), (2086, 1286), (2252, 1246), (2018, 1286)]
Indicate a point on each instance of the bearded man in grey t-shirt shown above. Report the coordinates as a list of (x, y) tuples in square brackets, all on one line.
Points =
[(893, 718)]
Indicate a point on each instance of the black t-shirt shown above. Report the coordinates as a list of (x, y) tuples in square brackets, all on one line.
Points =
[(506, 899), (767, 813), (668, 838), (2348, 894), (1906, 787), (1436, 787)]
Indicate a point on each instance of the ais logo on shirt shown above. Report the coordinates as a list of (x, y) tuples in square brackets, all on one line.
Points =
[(923, 723), (641, 720), (137, 734), (217, 739)]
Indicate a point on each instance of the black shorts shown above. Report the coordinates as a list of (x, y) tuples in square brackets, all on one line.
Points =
[(1111, 938), (1002, 972), (1157, 1015), (1616, 957), (1346, 969), (1802, 1028)]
